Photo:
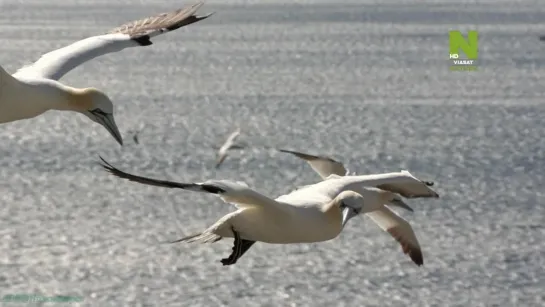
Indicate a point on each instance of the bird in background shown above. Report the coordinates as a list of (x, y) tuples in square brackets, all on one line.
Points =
[(35, 89), (227, 146), (136, 135), (135, 138)]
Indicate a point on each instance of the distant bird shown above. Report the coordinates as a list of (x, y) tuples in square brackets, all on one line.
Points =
[(135, 134), (135, 138), (542, 38), (228, 145), (313, 214), (34, 89)]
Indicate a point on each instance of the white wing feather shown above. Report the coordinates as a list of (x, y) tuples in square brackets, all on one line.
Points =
[(57, 63)]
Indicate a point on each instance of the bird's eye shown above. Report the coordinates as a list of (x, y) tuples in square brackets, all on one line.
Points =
[(98, 112)]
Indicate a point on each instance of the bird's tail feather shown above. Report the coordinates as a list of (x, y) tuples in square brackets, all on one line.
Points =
[(204, 237)]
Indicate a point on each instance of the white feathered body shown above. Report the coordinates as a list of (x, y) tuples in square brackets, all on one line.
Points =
[(298, 225)]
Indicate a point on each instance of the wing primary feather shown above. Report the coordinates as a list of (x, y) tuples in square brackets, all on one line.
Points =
[(142, 30), (299, 154), (415, 253), (308, 157), (161, 183), (144, 180)]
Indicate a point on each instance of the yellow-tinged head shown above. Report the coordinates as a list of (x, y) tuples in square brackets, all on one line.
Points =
[(97, 106)]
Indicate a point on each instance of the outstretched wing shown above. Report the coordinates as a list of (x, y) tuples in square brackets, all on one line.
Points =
[(156, 182), (57, 63), (235, 192), (409, 186), (324, 166), (403, 183), (400, 230)]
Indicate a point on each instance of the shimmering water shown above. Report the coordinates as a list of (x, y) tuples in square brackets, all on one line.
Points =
[(364, 81)]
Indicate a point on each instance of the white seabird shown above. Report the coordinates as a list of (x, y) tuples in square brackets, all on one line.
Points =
[(403, 183), (228, 145), (35, 89), (307, 215)]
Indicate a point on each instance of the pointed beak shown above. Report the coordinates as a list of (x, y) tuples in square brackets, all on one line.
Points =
[(108, 121), (348, 213), (401, 204)]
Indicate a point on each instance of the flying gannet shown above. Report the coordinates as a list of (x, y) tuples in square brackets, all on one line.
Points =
[(228, 145), (335, 176), (302, 216), (35, 89)]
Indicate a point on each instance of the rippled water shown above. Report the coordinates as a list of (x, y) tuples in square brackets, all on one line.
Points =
[(367, 83)]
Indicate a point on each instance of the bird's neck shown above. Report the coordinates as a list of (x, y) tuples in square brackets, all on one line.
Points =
[(76, 99), (35, 96), (28, 97), (57, 96)]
